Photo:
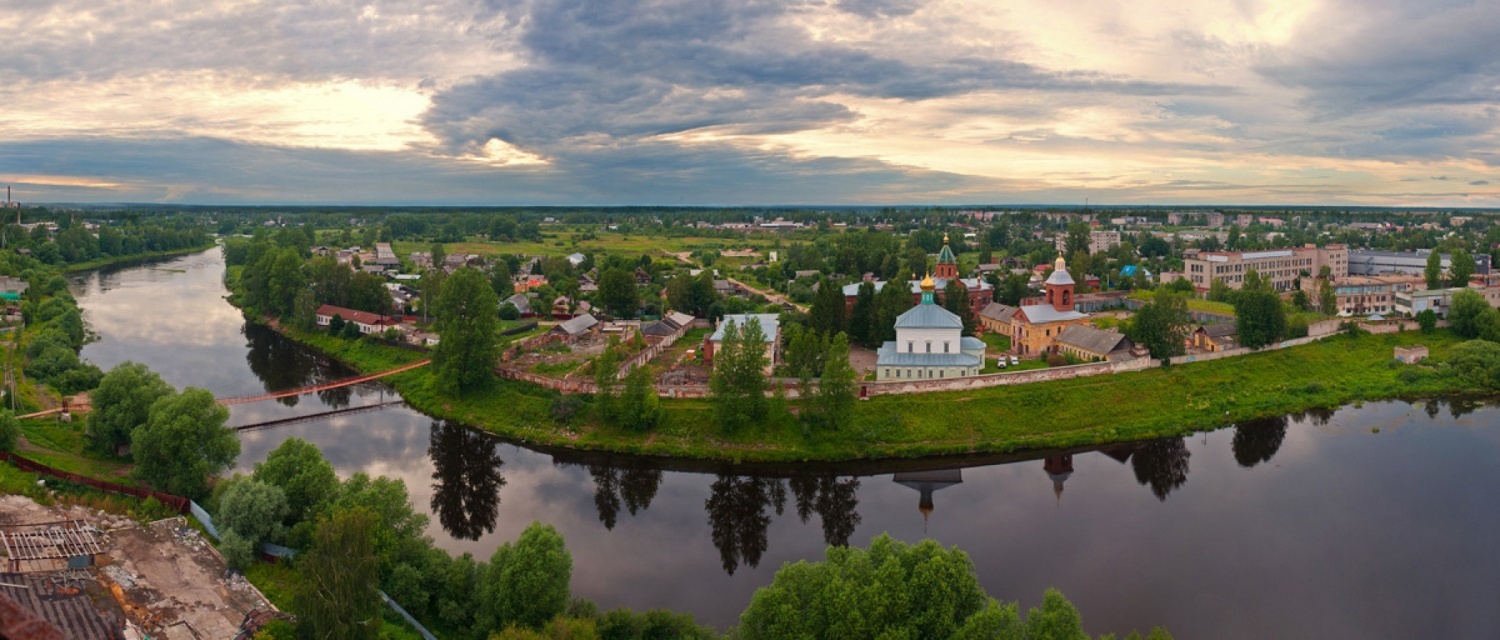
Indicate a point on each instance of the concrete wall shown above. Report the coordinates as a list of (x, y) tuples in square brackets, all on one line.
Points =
[(896, 387)]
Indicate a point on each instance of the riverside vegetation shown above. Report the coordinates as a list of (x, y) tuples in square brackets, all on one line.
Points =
[(1169, 401)]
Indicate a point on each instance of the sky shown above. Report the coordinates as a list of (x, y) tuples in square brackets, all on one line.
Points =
[(705, 102)]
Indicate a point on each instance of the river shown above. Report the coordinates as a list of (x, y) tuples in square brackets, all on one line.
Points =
[(1377, 521)]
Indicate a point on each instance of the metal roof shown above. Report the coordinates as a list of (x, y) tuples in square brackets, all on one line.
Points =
[(770, 323), (1091, 339), (1044, 313), (929, 316), (1060, 277), (997, 311), (578, 325), (888, 356)]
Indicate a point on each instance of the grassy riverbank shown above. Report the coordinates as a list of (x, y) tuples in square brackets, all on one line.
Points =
[(133, 259), (1087, 411)]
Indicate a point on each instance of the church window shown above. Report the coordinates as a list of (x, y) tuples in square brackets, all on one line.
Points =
[(945, 346), (909, 349), (929, 346)]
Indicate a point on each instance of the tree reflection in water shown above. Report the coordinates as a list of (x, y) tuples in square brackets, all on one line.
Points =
[(1161, 464), (835, 501), (282, 364), (738, 518), (466, 468), (634, 487), (1255, 441)]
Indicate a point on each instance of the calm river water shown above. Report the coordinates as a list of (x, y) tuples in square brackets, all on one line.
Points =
[(1375, 522)]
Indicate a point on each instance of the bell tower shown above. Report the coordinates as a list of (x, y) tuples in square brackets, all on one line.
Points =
[(1060, 287), (947, 263)]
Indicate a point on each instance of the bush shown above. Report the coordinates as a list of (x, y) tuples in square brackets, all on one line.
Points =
[(1478, 363), (1056, 360), (238, 551), (565, 408), (509, 312), (10, 430)]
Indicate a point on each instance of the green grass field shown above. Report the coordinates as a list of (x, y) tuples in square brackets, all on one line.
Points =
[(1177, 400)]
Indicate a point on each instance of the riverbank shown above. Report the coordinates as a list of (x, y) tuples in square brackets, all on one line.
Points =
[(1172, 401), (133, 259)]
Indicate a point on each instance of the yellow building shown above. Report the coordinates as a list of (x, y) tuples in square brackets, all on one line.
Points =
[(1036, 327)]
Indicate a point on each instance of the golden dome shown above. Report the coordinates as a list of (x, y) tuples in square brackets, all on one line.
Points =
[(945, 237), (1060, 265), (928, 284)]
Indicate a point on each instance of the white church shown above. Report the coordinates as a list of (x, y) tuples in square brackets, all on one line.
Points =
[(929, 345)]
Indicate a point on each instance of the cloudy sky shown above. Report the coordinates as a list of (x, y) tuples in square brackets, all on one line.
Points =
[(752, 102)]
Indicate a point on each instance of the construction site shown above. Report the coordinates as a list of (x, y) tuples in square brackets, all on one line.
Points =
[(71, 572)]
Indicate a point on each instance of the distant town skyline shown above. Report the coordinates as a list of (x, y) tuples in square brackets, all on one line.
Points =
[(701, 102)]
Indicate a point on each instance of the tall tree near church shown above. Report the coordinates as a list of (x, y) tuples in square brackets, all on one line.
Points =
[(738, 383), (836, 387), (1260, 316), (862, 315), (893, 300), (466, 319), (827, 313), (956, 300)]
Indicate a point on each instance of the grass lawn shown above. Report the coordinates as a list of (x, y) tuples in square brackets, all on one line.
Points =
[(61, 446), (1086, 411)]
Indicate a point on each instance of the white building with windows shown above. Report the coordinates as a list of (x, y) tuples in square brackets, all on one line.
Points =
[(929, 345)]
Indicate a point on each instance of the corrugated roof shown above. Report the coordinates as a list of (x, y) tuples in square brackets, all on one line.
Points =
[(578, 325), (997, 311), (1221, 330), (1043, 313), (770, 323), (929, 316), (1091, 339), (970, 343), (887, 356), (1060, 277)]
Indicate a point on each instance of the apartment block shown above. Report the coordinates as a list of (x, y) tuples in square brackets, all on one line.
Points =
[(1280, 266)]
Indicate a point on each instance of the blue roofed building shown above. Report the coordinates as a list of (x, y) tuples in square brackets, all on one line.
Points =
[(929, 344)]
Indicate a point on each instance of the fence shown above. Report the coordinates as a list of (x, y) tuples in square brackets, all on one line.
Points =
[(896, 387), (178, 503), (652, 351)]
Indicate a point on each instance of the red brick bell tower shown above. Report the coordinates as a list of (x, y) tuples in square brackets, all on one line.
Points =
[(1060, 287)]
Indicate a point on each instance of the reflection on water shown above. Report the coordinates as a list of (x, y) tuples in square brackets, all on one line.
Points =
[(1255, 441), (1310, 526), (466, 480)]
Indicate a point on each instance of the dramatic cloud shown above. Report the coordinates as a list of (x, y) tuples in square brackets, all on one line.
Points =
[(750, 101)]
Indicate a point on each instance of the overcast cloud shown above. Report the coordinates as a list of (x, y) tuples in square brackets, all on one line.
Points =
[(751, 102)]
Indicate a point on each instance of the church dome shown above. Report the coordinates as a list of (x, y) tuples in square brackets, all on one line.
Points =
[(1060, 265), (928, 284)]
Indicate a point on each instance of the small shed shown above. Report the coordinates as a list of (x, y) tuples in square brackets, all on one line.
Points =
[(1412, 354)]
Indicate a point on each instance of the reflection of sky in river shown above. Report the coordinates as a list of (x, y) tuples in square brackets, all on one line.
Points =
[(1342, 533)]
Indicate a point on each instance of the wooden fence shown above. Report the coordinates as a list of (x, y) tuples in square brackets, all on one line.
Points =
[(177, 503)]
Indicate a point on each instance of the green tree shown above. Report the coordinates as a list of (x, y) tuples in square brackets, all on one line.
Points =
[(183, 443), (827, 313), (1259, 315), (1057, 619), (639, 408), (304, 310), (439, 255), (300, 471), (1162, 325), (618, 293), (123, 402), (1460, 268), (862, 315), (1014, 289), (10, 430), (996, 621), (500, 279), (1478, 363), (466, 321), (525, 584), (606, 381), (892, 590), (916, 263), (1471, 316), (893, 300), (836, 388), (253, 509), (956, 300), (737, 385), (336, 597), (1427, 319), (1328, 300), (1434, 271)]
